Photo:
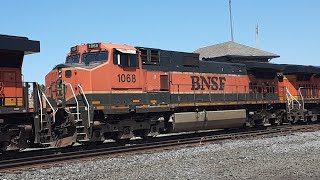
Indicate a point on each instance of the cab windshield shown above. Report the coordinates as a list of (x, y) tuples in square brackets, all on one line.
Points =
[(73, 59), (92, 57)]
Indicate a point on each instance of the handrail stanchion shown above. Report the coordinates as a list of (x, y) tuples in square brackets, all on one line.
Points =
[(291, 99), (77, 103), (41, 107), (45, 97), (88, 109), (301, 97)]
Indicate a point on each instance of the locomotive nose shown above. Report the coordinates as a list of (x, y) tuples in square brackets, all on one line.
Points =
[(55, 83)]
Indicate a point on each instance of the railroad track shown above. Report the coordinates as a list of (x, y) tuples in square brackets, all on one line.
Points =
[(48, 157)]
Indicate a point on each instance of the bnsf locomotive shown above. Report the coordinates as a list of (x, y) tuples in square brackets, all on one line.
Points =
[(108, 91), (120, 91), (27, 118), (18, 107)]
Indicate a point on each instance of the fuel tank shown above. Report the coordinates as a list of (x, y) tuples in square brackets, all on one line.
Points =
[(205, 120)]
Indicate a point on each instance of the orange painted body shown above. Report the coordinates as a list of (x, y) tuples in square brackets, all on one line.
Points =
[(308, 88), (11, 86), (110, 78), (105, 78)]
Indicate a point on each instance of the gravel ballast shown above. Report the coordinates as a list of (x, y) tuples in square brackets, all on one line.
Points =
[(294, 156)]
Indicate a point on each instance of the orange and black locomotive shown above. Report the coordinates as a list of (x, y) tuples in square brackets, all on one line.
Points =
[(121, 91), (109, 91), (26, 115), (17, 110)]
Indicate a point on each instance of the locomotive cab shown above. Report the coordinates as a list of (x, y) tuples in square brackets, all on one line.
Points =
[(89, 77), (18, 99), (99, 61)]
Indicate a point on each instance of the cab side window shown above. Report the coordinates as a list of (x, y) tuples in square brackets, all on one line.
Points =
[(126, 59)]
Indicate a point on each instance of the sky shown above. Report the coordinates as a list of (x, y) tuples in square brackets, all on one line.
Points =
[(287, 28)]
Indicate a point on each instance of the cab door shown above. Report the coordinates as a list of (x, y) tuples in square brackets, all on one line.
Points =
[(9, 81), (126, 84), (9, 89), (127, 73)]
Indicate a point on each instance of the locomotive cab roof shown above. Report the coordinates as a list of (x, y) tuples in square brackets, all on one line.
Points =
[(18, 44), (13, 48)]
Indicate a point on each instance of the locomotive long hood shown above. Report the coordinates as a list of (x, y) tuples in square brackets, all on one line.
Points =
[(300, 69), (255, 66)]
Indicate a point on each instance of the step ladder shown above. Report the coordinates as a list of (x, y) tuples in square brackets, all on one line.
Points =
[(82, 127), (87, 108), (294, 106), (45, 129), (85, 126)]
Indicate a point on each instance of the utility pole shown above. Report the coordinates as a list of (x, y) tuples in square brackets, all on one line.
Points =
[(231, 23), (257, 35)]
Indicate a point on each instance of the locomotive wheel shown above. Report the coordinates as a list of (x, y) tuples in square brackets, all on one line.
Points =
[(99, 142), (258, 123), (116, 135), (143, 133), (4, 146), (93, 143), (12, 145), (274, 121), (312, 119), (283, 118)]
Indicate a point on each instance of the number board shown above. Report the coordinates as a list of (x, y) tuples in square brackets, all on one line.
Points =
[(93, 46)]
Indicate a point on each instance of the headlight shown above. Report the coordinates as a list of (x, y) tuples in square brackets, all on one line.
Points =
[(60, 88), (60, 73)]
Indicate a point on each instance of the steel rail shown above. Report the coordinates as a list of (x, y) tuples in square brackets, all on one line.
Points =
[(57, 155)]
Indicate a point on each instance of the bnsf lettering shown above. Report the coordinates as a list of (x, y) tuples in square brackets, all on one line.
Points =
[(222, 80), (202, 83)]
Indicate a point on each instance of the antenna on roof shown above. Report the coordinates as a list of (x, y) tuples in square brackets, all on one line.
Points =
[(257, 35), (231, 23)]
